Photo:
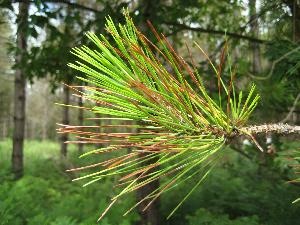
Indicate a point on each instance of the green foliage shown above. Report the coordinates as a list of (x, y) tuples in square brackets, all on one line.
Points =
[(281, 88), (204, 217), (288, 67), (238, 190), (290, 159), (46, 195)]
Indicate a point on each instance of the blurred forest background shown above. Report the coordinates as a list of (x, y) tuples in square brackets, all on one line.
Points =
[(248, 187)]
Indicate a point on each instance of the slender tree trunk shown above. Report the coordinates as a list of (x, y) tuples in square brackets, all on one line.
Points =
[(296, 32), (10, 121), (295, 8), (99, 123), (80, 120), (3, 130), (45, 120), (20, 94), (254, 31), (65, 120), (151, 216)]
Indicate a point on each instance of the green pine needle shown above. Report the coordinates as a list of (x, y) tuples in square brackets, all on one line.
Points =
[(176, 130)]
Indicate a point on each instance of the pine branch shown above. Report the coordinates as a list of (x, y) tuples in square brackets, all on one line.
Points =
[(278, 128), (182, 130), (182, 26), (65, 2)]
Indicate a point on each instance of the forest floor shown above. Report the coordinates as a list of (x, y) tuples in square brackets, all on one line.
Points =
[(239, 191)]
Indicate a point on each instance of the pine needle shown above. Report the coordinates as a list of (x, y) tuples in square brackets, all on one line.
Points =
[(173, 128)]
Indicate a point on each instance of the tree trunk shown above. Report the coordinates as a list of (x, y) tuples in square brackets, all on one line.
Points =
[(80, 120), (20, 93), (254, 31), (99, 123), (151, 216), (45, 120), (65, 120), (296, 32), (3, 130), (296, 20)]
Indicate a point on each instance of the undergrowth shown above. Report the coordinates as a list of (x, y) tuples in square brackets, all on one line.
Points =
[(238, 192)]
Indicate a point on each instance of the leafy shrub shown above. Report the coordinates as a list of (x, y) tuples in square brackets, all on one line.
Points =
[(238, 188), (46, 195), (204, 217)]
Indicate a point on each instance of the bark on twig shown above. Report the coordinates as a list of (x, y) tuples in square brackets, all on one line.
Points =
[(278, 128)]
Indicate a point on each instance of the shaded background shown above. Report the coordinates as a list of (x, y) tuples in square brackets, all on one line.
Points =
[(248, 187)]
